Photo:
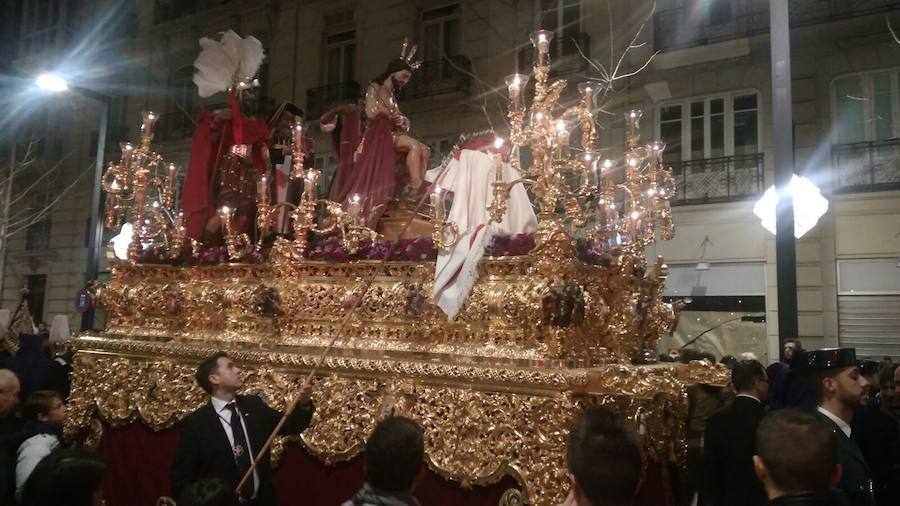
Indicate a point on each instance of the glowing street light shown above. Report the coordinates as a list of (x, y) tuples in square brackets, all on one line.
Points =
[(51, 82), (809, 206)]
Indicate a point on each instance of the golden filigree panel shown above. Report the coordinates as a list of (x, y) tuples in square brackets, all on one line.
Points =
[(588, 313), (481, 423)]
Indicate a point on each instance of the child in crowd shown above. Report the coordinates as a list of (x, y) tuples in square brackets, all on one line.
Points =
[(44, 413)]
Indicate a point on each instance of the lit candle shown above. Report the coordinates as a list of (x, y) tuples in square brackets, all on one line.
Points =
[(127, 150), (170, 183), (355, 206), (587, 93), (298, 136), (437, 202), (262, 190), (309, 184), (541, 41), (515, 83), (150, 118)]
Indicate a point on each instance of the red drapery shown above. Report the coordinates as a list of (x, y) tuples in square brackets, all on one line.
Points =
[(139, 460)]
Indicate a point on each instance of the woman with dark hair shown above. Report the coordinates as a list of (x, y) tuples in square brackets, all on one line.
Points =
[(72, 477)]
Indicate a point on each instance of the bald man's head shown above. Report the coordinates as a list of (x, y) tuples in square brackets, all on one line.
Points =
[(9, 391)]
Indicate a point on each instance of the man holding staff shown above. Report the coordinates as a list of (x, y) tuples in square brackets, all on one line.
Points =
[(221, 439)]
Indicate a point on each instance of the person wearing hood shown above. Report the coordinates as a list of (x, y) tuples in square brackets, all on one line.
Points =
[(30, 365), (45, 414)]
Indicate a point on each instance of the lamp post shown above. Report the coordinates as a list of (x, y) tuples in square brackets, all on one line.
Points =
[(783, 139), (53, 83)]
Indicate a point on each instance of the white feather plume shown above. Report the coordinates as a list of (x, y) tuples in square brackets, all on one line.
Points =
[(221, 64)]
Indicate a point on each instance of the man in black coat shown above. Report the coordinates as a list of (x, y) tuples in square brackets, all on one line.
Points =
[(220, 439), (833, 375), (10, 425), (729, 441)]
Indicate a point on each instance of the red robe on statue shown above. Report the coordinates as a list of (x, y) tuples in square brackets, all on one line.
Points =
[(372, 174), (217, 177)]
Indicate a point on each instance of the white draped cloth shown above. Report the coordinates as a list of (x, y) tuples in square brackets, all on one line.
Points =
[(469, 177)]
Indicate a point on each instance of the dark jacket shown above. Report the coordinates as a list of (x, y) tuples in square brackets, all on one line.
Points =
[(370, 496), (728, 448), (10, 427), (856, 483), (30, 365), (827, 498), (878, 438), (204, 451)]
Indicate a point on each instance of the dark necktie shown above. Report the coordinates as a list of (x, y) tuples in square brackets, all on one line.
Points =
[(241, 450)]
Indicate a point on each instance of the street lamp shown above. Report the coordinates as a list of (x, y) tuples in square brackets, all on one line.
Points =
[(51, 82), (54, 83)]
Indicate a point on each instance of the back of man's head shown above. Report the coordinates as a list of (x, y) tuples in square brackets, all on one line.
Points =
[(604, 457), (745, 373), (798, 450), (395, 453)]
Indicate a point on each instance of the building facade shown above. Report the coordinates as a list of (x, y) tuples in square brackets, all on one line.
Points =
[(704, 89)]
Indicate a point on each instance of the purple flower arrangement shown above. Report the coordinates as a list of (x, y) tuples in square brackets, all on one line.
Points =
[(330, 249), (510, 246)]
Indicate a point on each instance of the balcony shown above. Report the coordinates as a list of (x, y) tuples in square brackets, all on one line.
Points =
[(866, 166), (320, 100), (722, 20), (173, 126), (436, 77), (723, 179)]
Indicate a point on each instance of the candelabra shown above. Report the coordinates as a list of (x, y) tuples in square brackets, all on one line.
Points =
[(349, 222), (626, 199), (140, 189), (444, 233)]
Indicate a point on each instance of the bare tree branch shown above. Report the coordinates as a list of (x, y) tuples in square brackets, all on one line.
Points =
[(891, 29), (23, 224), (48, 172)]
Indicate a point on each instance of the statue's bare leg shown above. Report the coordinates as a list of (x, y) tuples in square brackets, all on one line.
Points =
[(417, 155)]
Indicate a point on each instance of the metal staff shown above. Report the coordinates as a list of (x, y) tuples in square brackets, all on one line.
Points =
[(337, 334)]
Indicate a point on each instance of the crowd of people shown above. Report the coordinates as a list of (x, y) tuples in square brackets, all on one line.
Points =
[(831, 420), (817, 428)]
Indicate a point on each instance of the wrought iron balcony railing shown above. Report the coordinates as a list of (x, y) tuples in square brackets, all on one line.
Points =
[(320, 100), (718, 179), (721, 20), (173, 126), (439, 76), (866, 166), (177, 125)]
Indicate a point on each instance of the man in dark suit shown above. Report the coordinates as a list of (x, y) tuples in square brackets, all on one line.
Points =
[(833, 376), (729, 441), (220, 439)]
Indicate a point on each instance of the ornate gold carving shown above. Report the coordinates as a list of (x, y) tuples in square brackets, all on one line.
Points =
[(512, 497), (481, 423), (573, 311)]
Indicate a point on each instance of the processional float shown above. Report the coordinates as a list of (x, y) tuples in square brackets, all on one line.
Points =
[(572, 322)]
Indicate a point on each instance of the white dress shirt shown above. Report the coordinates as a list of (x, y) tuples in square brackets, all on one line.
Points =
[(224, 413), (844, 426), (749, 397)]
